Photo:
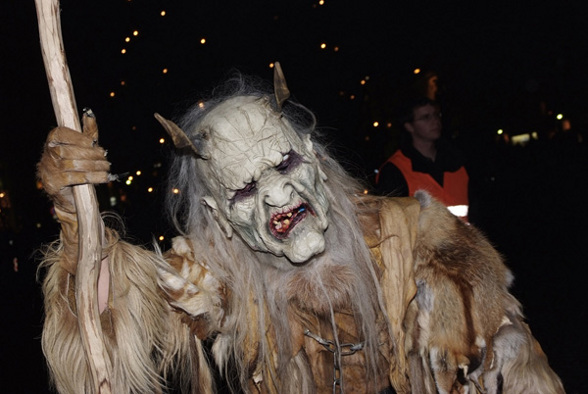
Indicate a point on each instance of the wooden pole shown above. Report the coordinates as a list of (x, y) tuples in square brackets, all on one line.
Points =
[(89, 222)]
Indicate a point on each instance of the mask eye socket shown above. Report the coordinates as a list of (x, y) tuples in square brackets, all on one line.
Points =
[(290, 161), (241, 194)]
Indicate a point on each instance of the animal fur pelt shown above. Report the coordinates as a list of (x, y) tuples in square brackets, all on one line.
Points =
[(149, 346), (465, 330)]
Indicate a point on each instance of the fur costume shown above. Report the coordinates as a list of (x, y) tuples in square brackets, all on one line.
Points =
[(396, 299)]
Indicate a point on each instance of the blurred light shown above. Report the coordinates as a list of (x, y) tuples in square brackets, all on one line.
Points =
[(176, 190), (112, 201), (161, 237), (161, 140), (323, 45), (38, 225), (150, 190), (136, 33), (499, 131), (336, 49), (362, 82), (416, 71), (352, 97), (112, 94), (520, 139), (376, 124), (130, 178), (201, 104), (321, 2), (162, 13), (2, 195), (164, 71), (123, 51), (138, 173), (128, 182), (271, 65), (389, 125), (559, 117), (203, 40), (122, 83), (127, 39), (535, 135)]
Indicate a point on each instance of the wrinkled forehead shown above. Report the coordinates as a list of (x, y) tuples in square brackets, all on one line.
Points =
[(246, 137)]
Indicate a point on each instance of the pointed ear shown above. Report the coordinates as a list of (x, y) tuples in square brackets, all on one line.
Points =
[(222, 221)]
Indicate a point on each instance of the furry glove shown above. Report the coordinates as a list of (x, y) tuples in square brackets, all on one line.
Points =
[(71, 158)]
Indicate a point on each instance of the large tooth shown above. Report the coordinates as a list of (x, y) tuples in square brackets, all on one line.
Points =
[(287, 222)]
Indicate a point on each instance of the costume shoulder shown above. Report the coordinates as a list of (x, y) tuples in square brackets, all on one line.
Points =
[(463, 316)]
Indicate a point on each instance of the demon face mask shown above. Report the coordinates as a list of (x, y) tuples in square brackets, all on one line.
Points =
[(264, 179)]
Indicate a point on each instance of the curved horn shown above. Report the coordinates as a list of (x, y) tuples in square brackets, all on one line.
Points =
[(280, 88), (178, 136)]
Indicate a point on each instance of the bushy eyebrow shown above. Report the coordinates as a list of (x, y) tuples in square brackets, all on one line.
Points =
[(291, 160)]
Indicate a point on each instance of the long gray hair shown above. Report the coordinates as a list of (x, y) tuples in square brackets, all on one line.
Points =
[(345, 271)]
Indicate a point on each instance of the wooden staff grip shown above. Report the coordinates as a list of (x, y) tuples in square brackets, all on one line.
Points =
[(89, 221)]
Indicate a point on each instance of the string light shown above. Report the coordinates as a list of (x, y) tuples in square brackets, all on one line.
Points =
[(162, 13)]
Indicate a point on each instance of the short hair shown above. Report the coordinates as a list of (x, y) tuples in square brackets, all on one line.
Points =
[(407, 111)]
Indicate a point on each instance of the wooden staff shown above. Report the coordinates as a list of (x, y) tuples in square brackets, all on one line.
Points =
[(89, 222)]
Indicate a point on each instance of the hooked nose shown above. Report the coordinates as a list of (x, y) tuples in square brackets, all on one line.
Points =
[(279, 194)]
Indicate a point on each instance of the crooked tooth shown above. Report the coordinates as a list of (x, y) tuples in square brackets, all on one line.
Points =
[(289, 214)]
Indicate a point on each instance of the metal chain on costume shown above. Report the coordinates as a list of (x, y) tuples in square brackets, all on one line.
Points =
[(339, 350)]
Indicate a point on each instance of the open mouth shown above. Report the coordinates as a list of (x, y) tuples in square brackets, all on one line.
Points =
[(282, 223)]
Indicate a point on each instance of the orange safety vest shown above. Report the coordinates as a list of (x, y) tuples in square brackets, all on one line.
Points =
[(453, 193)]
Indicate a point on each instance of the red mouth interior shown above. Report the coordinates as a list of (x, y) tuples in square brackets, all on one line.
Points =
[(282, 223)]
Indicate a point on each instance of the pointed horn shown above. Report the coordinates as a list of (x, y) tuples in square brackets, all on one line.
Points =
[(177, 135), (280, 88)]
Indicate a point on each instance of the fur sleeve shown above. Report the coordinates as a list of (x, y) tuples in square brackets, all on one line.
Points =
[(465, 330), (148, 345)]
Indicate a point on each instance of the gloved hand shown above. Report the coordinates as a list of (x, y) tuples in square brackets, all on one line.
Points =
[(71, 158)]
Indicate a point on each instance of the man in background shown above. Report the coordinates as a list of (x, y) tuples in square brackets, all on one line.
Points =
[(425, 161)]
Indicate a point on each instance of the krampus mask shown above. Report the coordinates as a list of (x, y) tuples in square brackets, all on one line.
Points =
[(264, 178)]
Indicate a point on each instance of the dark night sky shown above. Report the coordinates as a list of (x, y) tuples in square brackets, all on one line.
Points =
[(496, 61)]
